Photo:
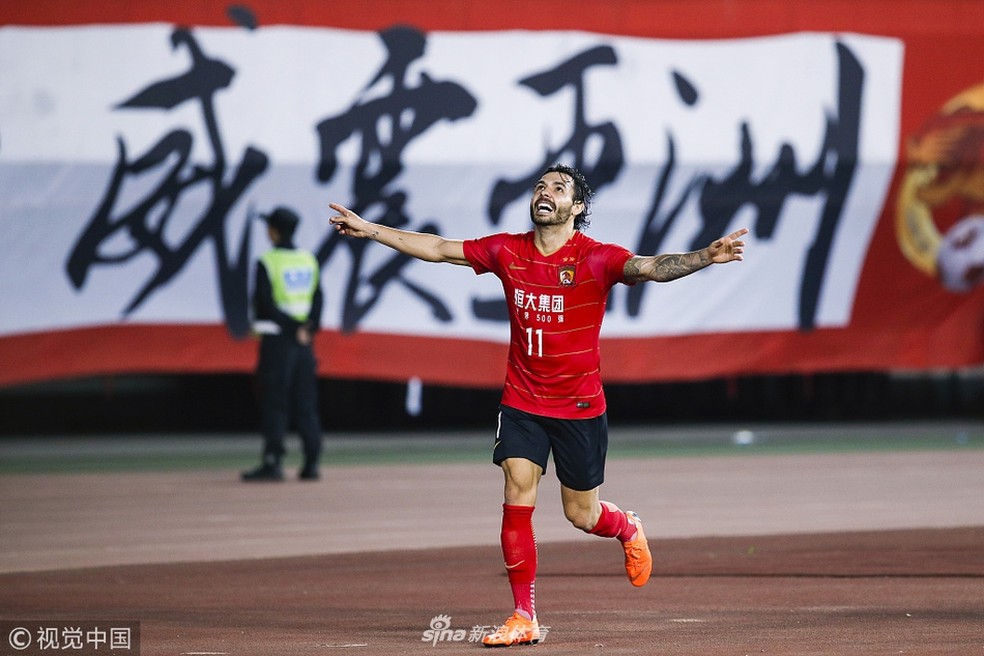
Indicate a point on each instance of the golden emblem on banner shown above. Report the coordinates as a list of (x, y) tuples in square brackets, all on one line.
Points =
[(945, 178)]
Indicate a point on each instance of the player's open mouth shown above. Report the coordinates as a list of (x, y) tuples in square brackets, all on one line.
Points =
[(544, 208)]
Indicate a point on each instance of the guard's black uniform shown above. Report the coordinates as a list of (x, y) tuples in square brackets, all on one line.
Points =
[(286, 370), (287, 376)]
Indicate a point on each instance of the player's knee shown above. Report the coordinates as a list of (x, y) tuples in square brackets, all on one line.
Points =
[(522, 479)]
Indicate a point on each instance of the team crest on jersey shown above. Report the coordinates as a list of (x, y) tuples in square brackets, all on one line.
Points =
[(567, 275)]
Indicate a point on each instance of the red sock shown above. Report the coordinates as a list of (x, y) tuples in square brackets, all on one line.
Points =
[(613, 523), (519, 553)]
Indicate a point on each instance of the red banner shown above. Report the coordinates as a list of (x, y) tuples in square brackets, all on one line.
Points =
[(919, 302)]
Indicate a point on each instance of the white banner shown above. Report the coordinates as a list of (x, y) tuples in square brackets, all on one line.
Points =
[(132, 158)]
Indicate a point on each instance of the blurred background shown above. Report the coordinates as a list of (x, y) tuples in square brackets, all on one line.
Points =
[(139, 141), (223, 403)]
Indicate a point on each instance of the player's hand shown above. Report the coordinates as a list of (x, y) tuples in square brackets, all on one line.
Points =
[(727, 248), (348, 223)]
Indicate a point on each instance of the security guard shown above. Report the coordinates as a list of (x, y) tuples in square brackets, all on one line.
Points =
[(287, 303)]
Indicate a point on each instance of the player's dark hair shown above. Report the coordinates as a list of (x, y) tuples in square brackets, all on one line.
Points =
[(582, 192)]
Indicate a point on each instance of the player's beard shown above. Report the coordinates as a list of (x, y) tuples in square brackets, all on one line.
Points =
[(559, 216)]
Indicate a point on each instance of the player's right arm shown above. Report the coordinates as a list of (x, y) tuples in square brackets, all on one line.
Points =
[(421, 245)]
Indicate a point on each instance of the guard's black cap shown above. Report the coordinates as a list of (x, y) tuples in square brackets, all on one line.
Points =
[(283, 219)]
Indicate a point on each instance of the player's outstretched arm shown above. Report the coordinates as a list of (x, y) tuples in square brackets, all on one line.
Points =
[(670, 266), (423, 246)]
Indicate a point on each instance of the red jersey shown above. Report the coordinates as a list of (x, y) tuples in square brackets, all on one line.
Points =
[(556, 306)]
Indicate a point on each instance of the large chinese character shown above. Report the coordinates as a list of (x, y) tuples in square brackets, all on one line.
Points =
[(720, 199), (609, 158), (142, 226), (384, 127)]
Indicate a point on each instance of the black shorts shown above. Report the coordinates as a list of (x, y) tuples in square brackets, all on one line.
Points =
[(579, 445)]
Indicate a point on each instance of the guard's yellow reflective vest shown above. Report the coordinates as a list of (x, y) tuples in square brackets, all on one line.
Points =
[(293, 277)]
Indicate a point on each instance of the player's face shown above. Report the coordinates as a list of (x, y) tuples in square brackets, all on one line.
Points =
[(553, 200)]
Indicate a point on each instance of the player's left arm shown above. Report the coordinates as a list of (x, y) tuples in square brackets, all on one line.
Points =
[(670, 266)]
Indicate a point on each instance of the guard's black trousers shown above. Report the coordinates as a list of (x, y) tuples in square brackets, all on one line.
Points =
[(288, 388)]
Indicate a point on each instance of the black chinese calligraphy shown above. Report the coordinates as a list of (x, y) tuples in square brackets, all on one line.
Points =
[(384, 127), (719, 199), (116, 234)]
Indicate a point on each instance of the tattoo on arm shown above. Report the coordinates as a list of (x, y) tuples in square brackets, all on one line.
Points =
[(664, 268)]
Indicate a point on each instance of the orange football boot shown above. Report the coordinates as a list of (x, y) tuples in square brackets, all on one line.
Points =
[(638, 560), (517, 630)]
